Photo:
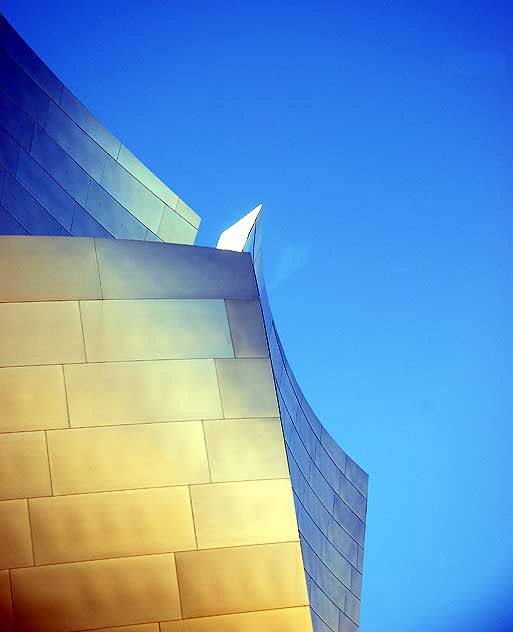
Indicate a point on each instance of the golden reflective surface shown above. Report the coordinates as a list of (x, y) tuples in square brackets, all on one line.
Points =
[(127, 457), (24, 390), (155, 329), (6, 620), (24, 468), (242, 579), (131, 392), (285, 620), (142, 468), (250, 512), (40, 333), (143, 627), (47, 268), (259, 440), (16, 545), (103, 593), (247, 388), (111, 524)]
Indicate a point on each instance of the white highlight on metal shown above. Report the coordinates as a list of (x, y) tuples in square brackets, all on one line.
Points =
[(235, 237)]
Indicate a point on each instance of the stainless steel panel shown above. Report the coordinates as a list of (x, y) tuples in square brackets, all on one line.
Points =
[(153, 270), (40, 333), (134, 392), (247, 388), (259, 440), (24, 390), (95, 594), (127, 457), (24, 470), (247, 328), (154, 329), (47, 268)]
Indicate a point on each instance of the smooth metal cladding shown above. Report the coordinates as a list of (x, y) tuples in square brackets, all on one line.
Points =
[(63, 173), (160, 469), (330, 489), (143, 479)]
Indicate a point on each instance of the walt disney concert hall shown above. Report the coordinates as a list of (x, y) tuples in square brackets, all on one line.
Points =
[(160, 468)]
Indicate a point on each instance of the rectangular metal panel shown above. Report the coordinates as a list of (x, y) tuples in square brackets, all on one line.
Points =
[(112, 524), (32, 398), (155, 329), (47, 268), (352, 497), (342, 541), (323, 606), (22, 89), (88, 154), (153, 270), (134, 196), (186, 212), (27, 211), (349, 520), (127, 457), (84, 225), (352, 607), (6, 620), (142, 627), (45, 190), (9, 150), (356, 582), (334, 450), (17, 122), (16, 547), (247, 388), (40, 333), (249, 512), (241, 579), (8, 225), (114, 217), (95, 594), (174, 229), (132, 164), (357, 476), (336, 562), (259, 440), (284, 620), (90, 124), (59, 165), (132, 392), (29, 61), (247, 328), (24, 470)]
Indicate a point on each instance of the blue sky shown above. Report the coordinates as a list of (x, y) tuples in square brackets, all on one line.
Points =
[(378, 136)]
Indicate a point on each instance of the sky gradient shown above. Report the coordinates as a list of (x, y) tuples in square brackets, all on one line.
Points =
[(378, 137)]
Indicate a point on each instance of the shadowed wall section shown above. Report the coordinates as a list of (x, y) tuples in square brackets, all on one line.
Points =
[(63, 173), (143, 477)]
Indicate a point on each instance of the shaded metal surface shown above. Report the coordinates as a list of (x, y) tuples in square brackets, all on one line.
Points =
[(65, 173)]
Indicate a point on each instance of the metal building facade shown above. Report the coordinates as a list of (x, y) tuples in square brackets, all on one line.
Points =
[(160, 469)]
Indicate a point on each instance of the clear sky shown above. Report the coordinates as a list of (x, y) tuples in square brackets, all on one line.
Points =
[(378, 136)]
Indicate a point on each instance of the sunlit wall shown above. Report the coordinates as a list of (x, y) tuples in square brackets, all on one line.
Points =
[(143, 475)]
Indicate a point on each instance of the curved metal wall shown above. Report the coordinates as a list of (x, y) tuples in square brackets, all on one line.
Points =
[(63, 173), (330, 489)]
